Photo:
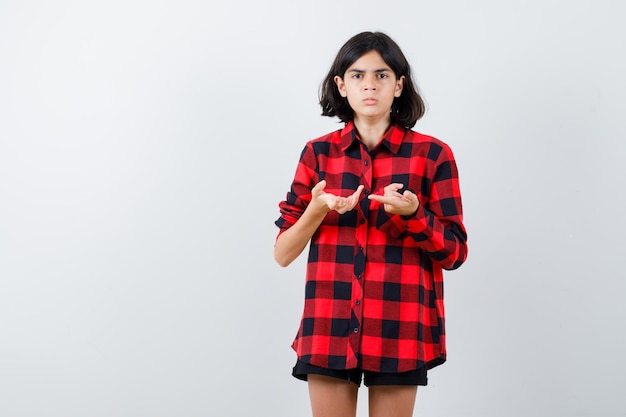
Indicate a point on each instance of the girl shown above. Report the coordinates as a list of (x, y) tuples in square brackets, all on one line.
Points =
[(380, 207)]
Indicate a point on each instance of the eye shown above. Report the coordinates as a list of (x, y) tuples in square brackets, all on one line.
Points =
[(357, 75), (382, 75)]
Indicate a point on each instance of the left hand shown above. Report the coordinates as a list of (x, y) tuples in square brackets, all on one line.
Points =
[(405, 204)]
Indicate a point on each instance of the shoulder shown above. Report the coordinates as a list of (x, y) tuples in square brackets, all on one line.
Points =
[(418, 137), (437, 149), (322, 144), (333, 136)]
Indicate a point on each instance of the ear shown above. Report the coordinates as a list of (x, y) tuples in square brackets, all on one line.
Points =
[(341, 86), (399, 86)]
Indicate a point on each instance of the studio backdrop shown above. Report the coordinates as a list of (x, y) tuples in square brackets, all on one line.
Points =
[(144, 147)]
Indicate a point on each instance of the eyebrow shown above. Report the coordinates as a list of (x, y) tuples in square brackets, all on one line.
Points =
[(376, 70)]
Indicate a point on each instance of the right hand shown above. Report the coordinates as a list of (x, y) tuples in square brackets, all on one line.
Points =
[(328, 201)]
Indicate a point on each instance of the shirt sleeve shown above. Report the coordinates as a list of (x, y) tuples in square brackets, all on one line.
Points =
[(437, 226), (299, 195)]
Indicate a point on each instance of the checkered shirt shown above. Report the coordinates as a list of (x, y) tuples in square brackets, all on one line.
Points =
[(374, 282)]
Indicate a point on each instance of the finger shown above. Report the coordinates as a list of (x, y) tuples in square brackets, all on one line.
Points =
[(393, 187), (343, 205), (331, 201), (412, 199), (351, 203), (354, 198), (396, 200), (319, 187), (384, 199)]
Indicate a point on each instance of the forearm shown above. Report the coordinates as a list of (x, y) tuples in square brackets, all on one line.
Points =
[(290, 243), (446, 242)]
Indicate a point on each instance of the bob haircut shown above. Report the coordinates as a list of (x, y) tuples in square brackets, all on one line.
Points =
[(406, 110)]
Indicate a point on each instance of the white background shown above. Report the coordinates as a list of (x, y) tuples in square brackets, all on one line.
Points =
[(145, 145)]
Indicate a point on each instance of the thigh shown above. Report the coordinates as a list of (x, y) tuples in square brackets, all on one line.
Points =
[(332, 397), (392, 400)]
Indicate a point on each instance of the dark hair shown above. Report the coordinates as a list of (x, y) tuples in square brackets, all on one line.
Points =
[(405, 110)]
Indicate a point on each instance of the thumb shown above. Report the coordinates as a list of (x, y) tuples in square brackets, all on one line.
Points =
[(409, 195), (319, 187)]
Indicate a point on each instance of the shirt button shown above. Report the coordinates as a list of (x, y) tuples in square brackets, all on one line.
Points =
[(367, 163), (357, 302), (358, 276), (362, 221), (356, 330), (366, 192)]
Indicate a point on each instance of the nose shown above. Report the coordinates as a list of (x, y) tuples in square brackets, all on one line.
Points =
[(369, 83)]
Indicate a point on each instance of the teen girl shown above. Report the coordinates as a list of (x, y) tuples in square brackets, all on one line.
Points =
[(381, 207)]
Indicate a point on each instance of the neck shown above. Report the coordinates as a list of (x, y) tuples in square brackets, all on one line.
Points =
[(371, 131)]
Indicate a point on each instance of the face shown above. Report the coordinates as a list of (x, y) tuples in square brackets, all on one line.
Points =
[(370, 86)]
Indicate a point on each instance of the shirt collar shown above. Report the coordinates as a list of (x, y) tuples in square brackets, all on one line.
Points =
[(392, 139)]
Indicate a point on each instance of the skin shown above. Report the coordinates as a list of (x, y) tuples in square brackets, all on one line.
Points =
[(332, 397), (292, 241), (370, 86)]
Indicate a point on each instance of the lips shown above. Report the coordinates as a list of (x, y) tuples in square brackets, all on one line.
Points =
[(370, 100)]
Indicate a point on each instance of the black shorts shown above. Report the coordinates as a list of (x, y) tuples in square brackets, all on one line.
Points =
[(416, 377)]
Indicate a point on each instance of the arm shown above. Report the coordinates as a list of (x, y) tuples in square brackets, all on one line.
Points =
[(292, 241), (437, 228), (405, 204)]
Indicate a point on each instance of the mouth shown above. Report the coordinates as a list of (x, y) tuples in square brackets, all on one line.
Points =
[(370, 100)]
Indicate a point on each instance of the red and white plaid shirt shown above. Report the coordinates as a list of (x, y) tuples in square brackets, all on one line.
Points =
[(374, 282)]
